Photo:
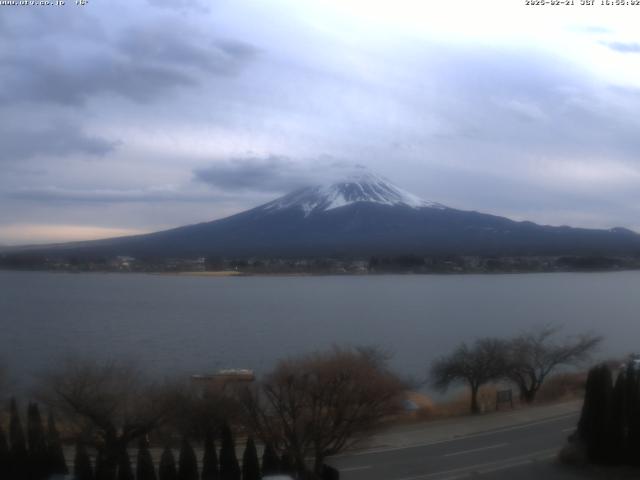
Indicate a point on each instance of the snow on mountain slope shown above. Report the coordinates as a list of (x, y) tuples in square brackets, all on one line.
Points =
[(363, 187)]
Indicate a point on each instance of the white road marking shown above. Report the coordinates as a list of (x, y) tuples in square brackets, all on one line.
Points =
[(572, 429), (517, 415), (511, 464), (486, 467), (464, 452), (354, 469)]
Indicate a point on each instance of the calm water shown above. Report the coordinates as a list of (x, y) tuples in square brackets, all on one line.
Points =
[(192, 324)]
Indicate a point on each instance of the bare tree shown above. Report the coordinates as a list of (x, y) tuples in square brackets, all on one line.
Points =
[(109, 402), (320, 404), (198, 410), (474, 365), (533, 355)]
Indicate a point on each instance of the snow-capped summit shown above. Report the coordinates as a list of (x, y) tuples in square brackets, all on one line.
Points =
[(358, 187)]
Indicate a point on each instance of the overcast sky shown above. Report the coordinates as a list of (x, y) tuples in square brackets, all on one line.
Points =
[(133, 116)]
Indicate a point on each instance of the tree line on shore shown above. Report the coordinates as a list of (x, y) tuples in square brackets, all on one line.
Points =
[(407, 263), (308, 408), (526, 361)]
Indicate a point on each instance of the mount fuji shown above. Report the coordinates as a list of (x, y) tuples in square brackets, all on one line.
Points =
[(362, 187), (358, 216)]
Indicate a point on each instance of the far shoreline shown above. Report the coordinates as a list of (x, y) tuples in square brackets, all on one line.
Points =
[(227, 274)]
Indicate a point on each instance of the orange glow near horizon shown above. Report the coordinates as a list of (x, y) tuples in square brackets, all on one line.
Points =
[(29, 234)]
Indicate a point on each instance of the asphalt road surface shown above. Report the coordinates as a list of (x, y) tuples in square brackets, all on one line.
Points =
[(520, 451)]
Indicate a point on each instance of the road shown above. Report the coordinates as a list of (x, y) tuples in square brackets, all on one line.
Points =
[(518, 451)]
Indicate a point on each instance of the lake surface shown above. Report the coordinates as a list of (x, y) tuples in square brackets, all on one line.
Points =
[(184, 325)]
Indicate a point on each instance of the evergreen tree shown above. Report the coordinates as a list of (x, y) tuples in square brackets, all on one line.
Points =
[(620, 419), (187, 462), (286, 464), (57, 462), (19, 455), (144, 467), (167, 469), (4, 455), (107, 461), (250, 463), (606, 433), (38, 455), (210, 470), (82, 469), (633, 399), (330, 473), (584, 423), (99, 470), (595, 426), (229, 468), (125, 472), (270, 461)]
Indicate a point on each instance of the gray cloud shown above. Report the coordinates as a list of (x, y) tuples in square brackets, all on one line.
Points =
[(57, 81), (184, 5), (163, 45), (141, 65), (63, 139), (78, 196), (272, 174), (623, 47), (482, 92)]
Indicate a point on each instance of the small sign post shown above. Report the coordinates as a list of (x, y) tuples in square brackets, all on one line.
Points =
[(504, 396)]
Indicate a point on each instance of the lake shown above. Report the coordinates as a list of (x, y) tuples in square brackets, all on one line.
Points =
[(183, 325)]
